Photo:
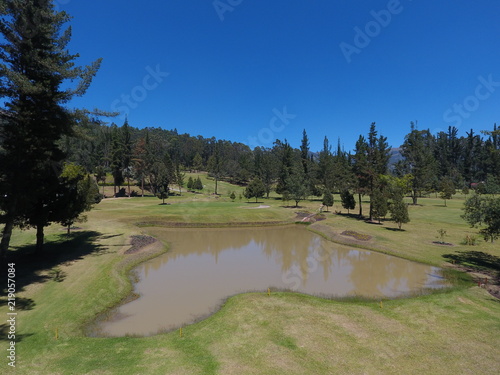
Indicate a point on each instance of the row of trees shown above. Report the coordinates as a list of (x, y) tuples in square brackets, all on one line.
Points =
[(130, 152)]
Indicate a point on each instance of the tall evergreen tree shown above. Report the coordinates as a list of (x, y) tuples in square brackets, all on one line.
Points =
[(179, 177), (215, 164), (361, 170), (417, 150), (327, 199), (284, 154), (79, 194), (325, 170), (377, 161), (34, 65), (126, 153), (139, 162), (348, 201), (116, 159)]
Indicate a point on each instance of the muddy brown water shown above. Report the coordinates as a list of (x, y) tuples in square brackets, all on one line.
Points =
[(205, 266)]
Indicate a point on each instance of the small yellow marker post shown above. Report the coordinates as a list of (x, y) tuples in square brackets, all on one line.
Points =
[(381, 305), (180, 332), (57, 334), (268, 291)]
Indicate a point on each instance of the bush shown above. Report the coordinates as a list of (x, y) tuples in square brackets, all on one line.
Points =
[(121, 193), (470, 240)]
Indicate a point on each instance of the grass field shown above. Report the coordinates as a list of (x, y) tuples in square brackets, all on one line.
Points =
[(450, 332)]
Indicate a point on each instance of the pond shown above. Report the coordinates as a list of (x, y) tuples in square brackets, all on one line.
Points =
[(205, 266)]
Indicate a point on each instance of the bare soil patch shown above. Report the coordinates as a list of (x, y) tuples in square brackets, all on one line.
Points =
[(139, 242), (356, 235)]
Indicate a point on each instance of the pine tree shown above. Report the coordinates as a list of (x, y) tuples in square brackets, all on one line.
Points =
[(34, 65), (78, 194), (179, 177), (399, 211), (162, 182), (297, 188), (361, 170), (327, 199), (348, 201), (255, 189), (197, 162), (116, 159), (126, 153), (417, 150), (447, 189), (139, 162), (198, 185), (325, 171), (285, 156), (215, 164), (190, 183)]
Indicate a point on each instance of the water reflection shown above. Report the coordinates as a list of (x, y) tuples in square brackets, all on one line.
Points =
[(204, 266)]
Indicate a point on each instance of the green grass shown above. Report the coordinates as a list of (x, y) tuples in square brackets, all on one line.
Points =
[(448, 332)]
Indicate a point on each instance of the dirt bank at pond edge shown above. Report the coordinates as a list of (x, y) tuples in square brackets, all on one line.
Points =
[(139, 242)]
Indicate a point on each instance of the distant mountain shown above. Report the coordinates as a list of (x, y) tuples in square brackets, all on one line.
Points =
[(394, 157)]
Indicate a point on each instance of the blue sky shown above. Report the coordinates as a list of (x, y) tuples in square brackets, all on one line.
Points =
[(253, 71)]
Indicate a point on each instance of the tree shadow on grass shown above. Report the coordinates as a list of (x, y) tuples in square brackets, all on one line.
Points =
[(31, 267), (395, 229), (5, 331), (476, 259)]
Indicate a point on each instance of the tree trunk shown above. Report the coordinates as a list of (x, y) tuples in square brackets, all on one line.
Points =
[(6, 235), (142, 186), (128, 186), (103, 188), (39, 239), (414, 197), (69, 230), (371, 209), (215, 185), (360, 206)]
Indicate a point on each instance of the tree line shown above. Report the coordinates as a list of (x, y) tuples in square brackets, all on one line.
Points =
[(48, 152), (426, 160)]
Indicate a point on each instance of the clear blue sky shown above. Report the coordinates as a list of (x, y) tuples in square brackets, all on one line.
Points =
[(336, 66)]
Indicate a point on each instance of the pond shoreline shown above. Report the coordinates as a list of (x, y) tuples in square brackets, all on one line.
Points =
[(151, 251)]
